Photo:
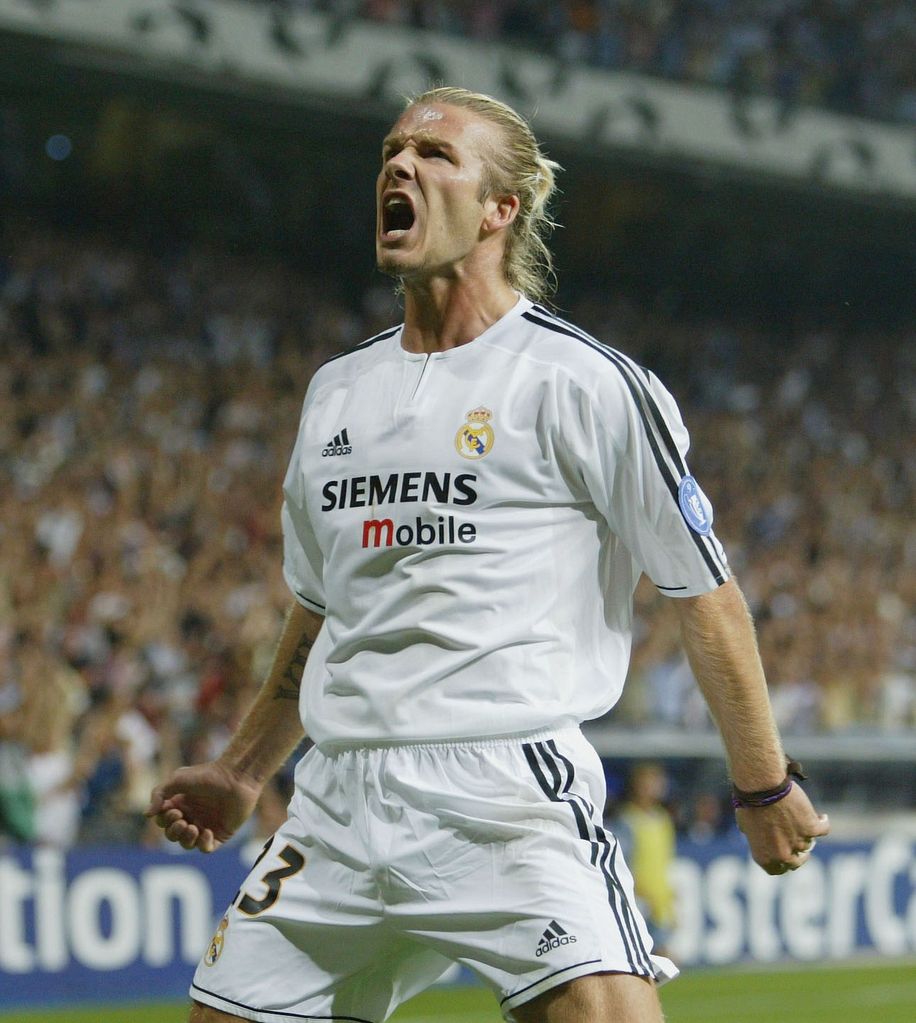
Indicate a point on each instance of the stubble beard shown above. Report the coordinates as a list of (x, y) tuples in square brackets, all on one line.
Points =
[(403, 277), (394, 272), (388, 266)]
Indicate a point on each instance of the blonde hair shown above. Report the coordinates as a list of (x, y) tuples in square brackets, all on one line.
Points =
[(518, 167)]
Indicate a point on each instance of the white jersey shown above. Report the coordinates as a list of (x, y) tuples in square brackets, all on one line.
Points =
[(472, 524)]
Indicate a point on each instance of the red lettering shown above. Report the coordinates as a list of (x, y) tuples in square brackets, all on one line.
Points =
[(376, 526)]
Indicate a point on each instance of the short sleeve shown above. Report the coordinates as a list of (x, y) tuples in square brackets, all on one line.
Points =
[(302, 560), (630, 445)]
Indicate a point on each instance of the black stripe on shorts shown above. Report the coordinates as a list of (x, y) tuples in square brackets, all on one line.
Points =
[(545, 759)]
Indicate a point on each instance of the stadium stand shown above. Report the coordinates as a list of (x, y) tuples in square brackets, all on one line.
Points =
[(160, 319), (148, 404), (855, 57)]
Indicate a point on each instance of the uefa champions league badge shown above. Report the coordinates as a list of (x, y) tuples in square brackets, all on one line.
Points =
[(475, 438), (694, 507), (215, 948)]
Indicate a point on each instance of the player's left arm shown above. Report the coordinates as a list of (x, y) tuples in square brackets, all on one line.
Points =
[(721, 645)]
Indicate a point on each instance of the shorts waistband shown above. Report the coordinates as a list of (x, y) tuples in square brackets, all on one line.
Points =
[(331, 749)]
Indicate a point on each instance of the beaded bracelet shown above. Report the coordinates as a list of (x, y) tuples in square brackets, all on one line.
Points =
[(742, 800)]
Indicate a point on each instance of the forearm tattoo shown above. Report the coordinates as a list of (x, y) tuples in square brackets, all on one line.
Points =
[(291, 682)]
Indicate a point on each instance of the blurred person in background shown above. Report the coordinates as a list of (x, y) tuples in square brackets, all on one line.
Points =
[(706, 819), (448, 809), (17, 800), (647, 835), (103, 772), (54, 699)]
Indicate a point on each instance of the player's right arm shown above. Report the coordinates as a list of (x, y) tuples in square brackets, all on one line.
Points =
[(200, 807)]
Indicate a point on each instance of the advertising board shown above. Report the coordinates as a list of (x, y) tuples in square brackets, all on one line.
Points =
[(120, 924)]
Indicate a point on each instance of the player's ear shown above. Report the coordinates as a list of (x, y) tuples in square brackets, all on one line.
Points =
[(499, 212)]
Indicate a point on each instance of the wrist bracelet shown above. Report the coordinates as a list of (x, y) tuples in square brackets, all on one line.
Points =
[(742, 800)]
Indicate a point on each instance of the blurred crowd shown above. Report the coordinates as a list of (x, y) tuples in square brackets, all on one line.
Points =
[(853, 56), (148, 405)]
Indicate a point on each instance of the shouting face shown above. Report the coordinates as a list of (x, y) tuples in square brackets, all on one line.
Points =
[(432, 208)]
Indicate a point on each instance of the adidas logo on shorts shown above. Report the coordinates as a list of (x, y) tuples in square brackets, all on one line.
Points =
[(338, 445), (553, 937)]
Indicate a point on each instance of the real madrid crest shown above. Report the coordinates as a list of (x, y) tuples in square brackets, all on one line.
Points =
[(215, 948), (475, 438)]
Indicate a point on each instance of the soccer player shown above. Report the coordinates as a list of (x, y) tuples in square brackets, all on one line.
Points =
[(470, 502)]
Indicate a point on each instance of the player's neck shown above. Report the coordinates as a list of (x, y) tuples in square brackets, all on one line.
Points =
[(441, 314)]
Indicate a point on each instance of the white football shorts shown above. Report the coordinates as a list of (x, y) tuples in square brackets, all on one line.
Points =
[(396, 862)]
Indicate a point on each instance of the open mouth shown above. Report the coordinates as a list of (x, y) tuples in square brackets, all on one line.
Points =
[(397, 217)]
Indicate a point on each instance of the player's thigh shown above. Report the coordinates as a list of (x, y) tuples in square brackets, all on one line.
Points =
[(596, 998), (207, 1014)]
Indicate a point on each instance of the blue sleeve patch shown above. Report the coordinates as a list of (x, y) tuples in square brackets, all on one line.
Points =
[(695, 508)]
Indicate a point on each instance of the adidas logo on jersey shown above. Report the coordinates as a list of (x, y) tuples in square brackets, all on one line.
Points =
[(339, 445), (553, 937)]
